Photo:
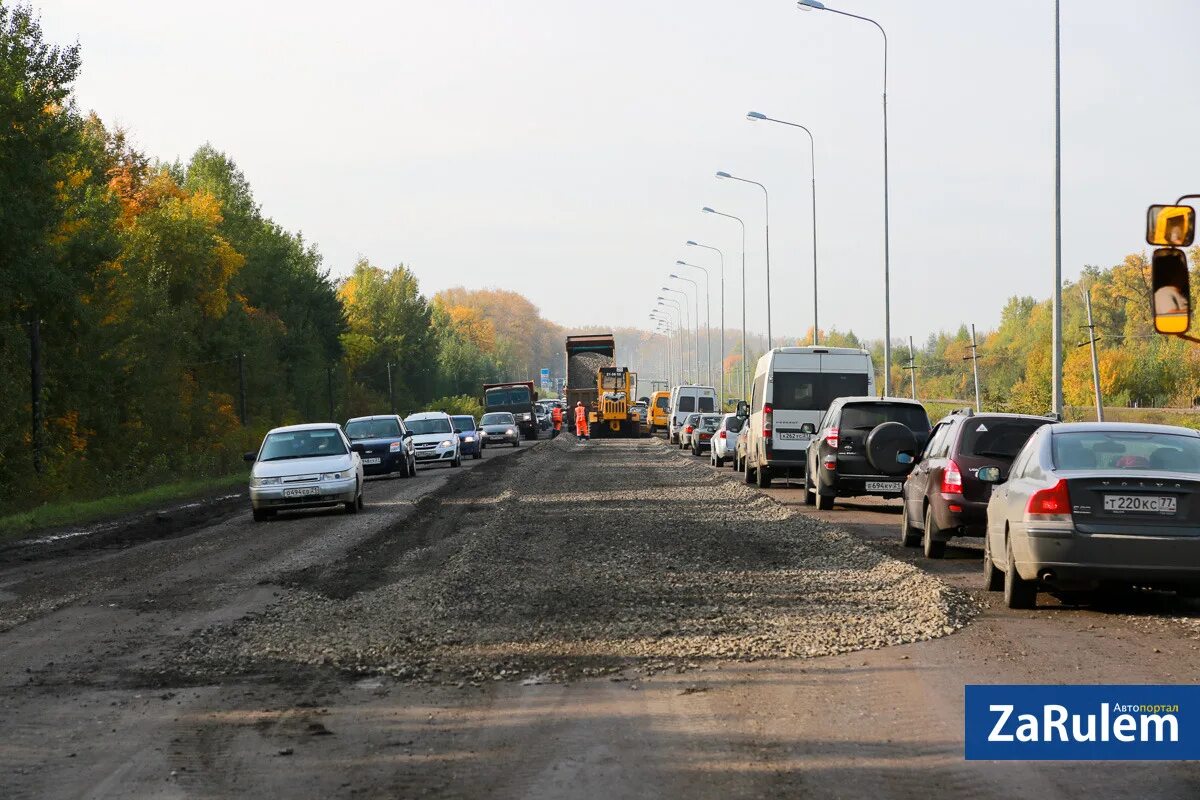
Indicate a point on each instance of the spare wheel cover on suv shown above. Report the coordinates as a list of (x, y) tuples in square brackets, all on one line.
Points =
[(885, 442)]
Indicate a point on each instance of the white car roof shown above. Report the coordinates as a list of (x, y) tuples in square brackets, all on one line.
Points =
[(428, 415), (310, 426)]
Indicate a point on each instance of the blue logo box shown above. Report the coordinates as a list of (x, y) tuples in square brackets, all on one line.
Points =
[(1082, 723)]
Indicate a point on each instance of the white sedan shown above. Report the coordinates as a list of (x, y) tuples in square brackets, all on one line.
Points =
[(724, 442), (305, 466)]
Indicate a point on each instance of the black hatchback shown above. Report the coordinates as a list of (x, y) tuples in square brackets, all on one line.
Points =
[(386, 444)]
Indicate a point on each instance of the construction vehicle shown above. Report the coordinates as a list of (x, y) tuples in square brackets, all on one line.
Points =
[(606, 391), (614, 414), (585, 356)]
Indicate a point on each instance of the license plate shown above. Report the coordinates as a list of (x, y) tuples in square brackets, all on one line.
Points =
[(884, 486), (794, 437), (307, 491), (369, 461), (1138, 504)]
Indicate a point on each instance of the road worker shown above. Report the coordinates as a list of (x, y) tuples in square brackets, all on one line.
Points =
[(556, 418), (581, 421)]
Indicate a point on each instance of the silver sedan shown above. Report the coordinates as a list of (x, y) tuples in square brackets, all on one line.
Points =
[(500, 427), (1093, 504)]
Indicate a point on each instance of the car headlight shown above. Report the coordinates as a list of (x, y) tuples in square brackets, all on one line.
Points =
[(335, 476), (394, 447), (257, 482), (524, 416), (468, 438), (510, 430), (446, 443)]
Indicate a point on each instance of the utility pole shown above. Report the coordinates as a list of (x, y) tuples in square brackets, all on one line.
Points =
[(912, 368), (1092, 339), (241, 359), (329, 389), (35, 390), (974, 359), (391, 394)]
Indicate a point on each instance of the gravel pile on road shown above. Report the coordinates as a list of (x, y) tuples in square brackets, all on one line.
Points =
[(585, 559), (582, 369)]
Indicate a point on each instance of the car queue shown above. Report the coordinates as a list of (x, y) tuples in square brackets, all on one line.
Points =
[(1077, 509)]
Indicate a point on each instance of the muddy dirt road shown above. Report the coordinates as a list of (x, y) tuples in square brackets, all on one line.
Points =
[(494, 632)]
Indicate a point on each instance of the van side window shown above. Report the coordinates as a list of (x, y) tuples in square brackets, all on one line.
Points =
[(758, 393)]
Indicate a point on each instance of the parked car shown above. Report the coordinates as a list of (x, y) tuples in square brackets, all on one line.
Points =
[(943, 496), (700, 439), (500, 427), (725, 442), (864, 446), (470, 440), (305, 466), (1088, 505), (543, 417), (386, 444), (434, 439), (687, 400), (687, 429), (794, 386), (659, 412)]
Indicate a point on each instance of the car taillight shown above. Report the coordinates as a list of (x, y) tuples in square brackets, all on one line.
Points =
[(722, 435), (1052, 502), (951, 479), (831, 438), (768, 418), (688, 429)]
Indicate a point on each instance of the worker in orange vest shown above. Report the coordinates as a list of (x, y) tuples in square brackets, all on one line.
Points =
[(556, 418), (581, 422)]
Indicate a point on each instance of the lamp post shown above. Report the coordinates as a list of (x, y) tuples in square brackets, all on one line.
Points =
[(1057, 377), (691, 243), (887, 286), (812, 153), (679, 326), (745, 355), (767, 219), (696, 320), (707, 315), (663, 326), (695, 335)]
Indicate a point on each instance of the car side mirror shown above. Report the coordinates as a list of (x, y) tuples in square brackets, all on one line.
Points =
[(356, 448), (989, 474), (743, 409), (808, 427), (406, 435), (1171, 289), (249, 458), (1170, 226)]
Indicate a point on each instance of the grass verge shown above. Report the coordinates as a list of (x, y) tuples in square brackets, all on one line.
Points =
[(67, 512)]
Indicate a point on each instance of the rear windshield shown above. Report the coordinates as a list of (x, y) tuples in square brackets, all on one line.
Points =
[(708, 404), (1167, 452), (518, 395), (661, 403), (463, 424), (734, 424), (997, 438), (711, 421), (429, 425), (302, 444), (373, 429), (687, 403), (867, 415), (814, 391), (498, 419)]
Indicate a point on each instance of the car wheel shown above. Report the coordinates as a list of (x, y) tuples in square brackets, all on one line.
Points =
[(933, 546), (764, 477), (1018, 592), (993, 578), (478, 454), (810, 496), (352, 506), (412, 467), (260, 514), (361, 502), (910, 535), (517, 443), (748, 475), (457, 462)]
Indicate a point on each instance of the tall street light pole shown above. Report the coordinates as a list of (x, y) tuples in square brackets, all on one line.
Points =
[(887, 284), (695, 320), (1057, 379), (721, 391), (745, 354), (707, 315), (662, 304), (812, 157), (767, 219), (695, 335), (663, 327)]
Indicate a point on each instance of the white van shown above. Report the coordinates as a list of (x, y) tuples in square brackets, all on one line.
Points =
[(686, 400), (793, 387)]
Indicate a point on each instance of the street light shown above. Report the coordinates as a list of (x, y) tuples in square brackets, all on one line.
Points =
[(697, 322), (679, 326), (812, 150), (695, 337), (707, 315), (691, 243), (745, 355), (767, 218), (887, 285), (663, 327)]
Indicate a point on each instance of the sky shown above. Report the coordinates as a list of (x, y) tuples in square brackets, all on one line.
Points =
[(563, 148)]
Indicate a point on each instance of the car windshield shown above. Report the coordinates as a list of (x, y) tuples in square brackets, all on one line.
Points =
[(1116, 449), (302, 444), (997, 438), (462, 423), (814, 391), (866, 416), (734, 423), (373, 429), (499, 419), (428, 425), (694, 419), (517, 395)]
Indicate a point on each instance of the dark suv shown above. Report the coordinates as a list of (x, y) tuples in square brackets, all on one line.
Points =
[(864, 446), (943, 496)]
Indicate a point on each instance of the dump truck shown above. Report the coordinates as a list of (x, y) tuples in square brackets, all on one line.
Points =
[(591, 374), (516, 397)]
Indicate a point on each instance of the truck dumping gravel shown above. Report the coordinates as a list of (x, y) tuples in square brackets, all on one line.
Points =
[(582, 369), (579, 560)]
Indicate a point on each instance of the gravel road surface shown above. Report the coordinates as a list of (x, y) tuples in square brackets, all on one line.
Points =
[(613, 619)]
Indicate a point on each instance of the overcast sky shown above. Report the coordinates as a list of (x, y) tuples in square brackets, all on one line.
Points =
[(563, 148)]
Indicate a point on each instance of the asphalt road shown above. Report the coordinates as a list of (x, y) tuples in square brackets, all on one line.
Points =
[(84, 718)]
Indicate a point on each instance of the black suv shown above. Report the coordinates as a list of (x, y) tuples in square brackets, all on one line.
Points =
[(864, 446), (387, 444), (943, 496)]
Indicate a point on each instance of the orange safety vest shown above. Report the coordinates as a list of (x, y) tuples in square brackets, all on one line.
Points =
[(580, 418), (556, 417)]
